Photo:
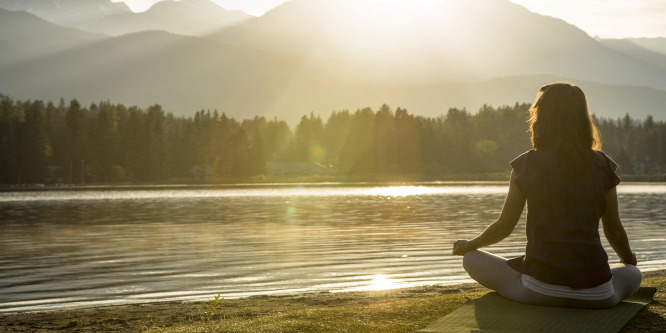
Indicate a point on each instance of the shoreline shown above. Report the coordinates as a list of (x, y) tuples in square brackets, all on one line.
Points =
[(163, 315), (242, 185), (203, 186)]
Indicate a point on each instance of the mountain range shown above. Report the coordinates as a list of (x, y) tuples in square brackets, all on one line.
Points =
[(454, 41), (187, 17), (318, 56), (24, 36), (66, 12)]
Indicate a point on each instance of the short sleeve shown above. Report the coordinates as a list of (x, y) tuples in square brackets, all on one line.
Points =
[(610, 170), (519, 165)]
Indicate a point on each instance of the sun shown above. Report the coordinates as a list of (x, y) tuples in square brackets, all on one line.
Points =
[(371, 28), (387, 7)]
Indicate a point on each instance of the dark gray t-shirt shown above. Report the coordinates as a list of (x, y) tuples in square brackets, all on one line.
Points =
[(563, 244)]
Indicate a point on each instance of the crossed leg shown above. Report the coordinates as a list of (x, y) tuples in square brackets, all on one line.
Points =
[(492, 272)]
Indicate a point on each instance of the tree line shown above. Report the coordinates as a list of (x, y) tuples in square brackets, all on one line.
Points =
[(45, 142)]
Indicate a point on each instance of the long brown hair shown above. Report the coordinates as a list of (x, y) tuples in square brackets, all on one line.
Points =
[(560, 119)]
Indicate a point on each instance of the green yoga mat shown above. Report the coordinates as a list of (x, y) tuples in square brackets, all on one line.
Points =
[(494, 313)]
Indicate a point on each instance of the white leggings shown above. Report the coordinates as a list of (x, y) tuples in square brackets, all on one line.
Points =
[(492, 272)]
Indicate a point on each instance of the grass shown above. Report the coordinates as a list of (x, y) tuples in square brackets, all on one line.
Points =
[(395, 316), (653, 317), (402, 314)]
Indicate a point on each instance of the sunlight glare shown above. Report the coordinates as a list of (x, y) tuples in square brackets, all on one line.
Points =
[(401, 191), (428, 3), (387, 7), (373, 28), (381, 282)]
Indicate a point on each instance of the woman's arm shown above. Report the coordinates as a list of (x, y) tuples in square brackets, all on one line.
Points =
[(614, 230), (500, 229)]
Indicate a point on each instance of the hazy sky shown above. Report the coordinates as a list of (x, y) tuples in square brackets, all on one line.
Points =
[(603, 18), (607, 18)]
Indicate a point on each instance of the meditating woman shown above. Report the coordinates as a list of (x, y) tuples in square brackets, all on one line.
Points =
[(569, 185)]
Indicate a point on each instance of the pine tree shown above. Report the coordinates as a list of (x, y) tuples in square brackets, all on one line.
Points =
[(33, 148), (76, 120)]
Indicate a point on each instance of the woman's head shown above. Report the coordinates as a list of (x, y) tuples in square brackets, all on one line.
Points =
[(559, 118)]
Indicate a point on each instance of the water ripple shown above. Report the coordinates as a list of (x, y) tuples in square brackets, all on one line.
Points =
[(64, 249)]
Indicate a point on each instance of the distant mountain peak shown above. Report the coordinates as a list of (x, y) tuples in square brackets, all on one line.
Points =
[(67, 12), (189, 17), (194, 6), (653, 44), (188, 3)]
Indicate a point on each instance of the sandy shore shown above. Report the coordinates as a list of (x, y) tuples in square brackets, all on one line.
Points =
[(140, 317)]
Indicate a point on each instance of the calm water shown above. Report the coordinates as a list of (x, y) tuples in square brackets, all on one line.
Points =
[(64, 249)]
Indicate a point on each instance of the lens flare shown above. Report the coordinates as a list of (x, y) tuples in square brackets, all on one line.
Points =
[(317, 153)]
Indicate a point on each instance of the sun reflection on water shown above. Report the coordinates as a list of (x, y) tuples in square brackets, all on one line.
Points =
[(404, 191), (283, 191), (377, 282), (381, 282), (401, 191)]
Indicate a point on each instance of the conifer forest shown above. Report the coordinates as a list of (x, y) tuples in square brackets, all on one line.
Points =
[(105, 143)]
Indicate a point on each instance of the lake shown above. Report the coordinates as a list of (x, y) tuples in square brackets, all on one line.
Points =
[(64, 249)]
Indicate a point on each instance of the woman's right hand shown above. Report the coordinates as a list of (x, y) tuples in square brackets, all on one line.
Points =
[(459, 247), (630, 261)]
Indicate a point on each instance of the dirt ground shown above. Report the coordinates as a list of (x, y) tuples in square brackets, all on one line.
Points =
[(139, 317)]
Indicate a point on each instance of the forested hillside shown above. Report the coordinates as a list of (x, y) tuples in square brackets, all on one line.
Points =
[(43, 142)]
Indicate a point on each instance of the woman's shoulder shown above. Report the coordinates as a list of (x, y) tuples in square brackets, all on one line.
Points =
[(604, 160), (609, 168), (522, 157), (519, 164)]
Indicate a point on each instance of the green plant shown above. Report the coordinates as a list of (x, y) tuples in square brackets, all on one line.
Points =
[(212, 308)]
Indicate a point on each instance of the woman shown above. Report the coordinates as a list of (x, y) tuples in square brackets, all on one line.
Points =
[(568, 185)]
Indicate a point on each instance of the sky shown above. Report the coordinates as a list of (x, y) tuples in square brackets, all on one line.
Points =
[(599, 18)]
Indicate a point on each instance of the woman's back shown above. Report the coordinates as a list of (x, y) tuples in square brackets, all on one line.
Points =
[(564, 247)]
